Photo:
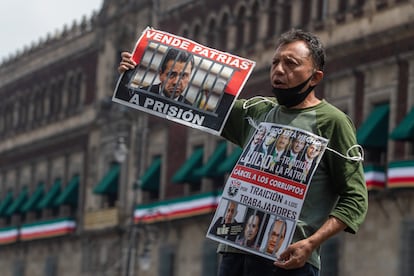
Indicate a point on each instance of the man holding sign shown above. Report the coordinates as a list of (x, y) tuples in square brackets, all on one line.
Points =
[(337, 198)]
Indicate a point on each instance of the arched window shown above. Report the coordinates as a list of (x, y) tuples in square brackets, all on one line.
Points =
[(56, 97), (78, 88), (15, 110), (211, 33), (342, 6), (358, 7), (240, 22), (30, 106), (59, 92), (322, 10), (2, 115), (271, 19), (52, 97), (254, 20), (222, 43), (185, 32), (38, 104), (9, 116), (42, 97), (74, 90), (342, 9), (23, 109), (70, 92), (306, 13), (36, 107), (197, 33), (286, 16)]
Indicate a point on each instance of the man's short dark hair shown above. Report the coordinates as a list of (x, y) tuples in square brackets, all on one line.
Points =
[(315, 46), (178, 56)]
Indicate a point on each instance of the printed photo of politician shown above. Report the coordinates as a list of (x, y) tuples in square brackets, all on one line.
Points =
[(253, 229), (227, 223), (178, 76), (275, 235), (173, 77)]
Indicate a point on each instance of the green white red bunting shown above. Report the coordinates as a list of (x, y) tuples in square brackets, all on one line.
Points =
[(177, 208), (375, 177), (47, 229), (8, 235), (401, 174)]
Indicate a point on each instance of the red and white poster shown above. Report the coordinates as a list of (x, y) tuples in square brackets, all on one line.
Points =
[(183, 81), (264, 194)]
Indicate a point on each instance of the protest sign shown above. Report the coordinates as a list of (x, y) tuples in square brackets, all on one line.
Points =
[(264, 194), (183, 81)]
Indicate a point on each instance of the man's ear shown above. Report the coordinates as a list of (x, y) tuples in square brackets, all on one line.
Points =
[(316, 78)]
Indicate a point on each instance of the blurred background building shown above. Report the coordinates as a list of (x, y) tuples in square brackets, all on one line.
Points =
[(89, 187)]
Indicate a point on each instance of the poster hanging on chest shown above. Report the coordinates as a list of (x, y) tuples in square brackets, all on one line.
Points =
[(264, 194)]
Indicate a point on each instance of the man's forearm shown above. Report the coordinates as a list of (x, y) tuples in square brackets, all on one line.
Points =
[(330, 228)]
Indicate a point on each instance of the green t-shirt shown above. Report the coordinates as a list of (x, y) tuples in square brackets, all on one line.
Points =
[(338, 186)]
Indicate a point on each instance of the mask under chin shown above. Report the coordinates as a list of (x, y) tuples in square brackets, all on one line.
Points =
[(289, 99), (292, 96)]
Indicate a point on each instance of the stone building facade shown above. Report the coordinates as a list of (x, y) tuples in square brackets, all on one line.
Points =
[(79, 173)]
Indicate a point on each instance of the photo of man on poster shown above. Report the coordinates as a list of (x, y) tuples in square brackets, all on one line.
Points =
[(174, 75), (296, 150), (280, 149), (226, 226), (269, 142), (251, 231), (254, 148), (309, 159), (276, 235)]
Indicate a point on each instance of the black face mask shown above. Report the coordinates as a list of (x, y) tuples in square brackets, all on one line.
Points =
[(292, 96)]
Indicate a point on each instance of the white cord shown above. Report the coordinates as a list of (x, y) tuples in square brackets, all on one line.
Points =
[(357, 158), (246, 104)]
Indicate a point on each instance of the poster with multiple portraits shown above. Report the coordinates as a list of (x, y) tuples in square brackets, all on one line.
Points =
[(182, 80), (264, 194)]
